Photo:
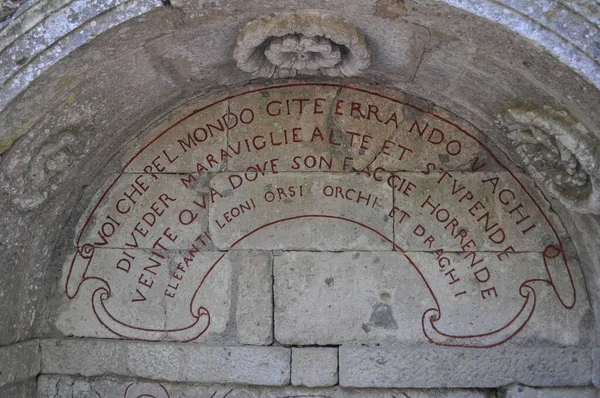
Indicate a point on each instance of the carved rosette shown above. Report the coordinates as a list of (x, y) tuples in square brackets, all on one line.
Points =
[(309, 43), (559, 153)]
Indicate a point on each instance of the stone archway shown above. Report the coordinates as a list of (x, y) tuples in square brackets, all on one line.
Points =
[(333, 232)]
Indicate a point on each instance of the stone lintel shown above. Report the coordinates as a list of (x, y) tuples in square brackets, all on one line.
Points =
[(168, 361), (519, 391), (440, 367)]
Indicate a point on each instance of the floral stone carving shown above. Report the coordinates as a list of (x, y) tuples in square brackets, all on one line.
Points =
[(559, 153), (287, 44)]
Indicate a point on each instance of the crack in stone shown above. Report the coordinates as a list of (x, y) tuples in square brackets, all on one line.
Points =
[(422, 55)]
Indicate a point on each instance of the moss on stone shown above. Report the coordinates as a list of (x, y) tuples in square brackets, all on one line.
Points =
[(6, 143)]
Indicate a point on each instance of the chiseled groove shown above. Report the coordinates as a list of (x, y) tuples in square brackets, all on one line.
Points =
[(21, 10), (45, 40), (522, 14), (24, 76), (8, 37), (545, 24), (582, 10), (574, 59), (590, 69)]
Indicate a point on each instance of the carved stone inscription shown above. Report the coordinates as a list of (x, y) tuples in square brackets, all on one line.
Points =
[(377, 221)]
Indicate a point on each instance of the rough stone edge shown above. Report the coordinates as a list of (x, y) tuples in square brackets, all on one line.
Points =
[(359, 367), (503, 14), (12, 354), (23, 389), (536, 30), (521, 391), (28, 16), (596, 367), (63, 46), (106, 357)]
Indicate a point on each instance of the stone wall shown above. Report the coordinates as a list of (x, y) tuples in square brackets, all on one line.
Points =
[(321, 236), (185, 229)]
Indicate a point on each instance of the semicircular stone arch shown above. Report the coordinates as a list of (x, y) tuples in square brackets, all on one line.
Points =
[(375, 204)]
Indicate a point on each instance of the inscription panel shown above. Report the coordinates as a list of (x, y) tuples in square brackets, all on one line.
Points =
[(291, 173)]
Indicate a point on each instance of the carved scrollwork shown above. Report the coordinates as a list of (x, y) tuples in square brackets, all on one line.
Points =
[(42, 171), (287, 44), (559, 153), (45, 171)]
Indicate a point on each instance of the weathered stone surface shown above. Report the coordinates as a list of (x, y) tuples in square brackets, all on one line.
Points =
[(314, 367), (596, 368), (504, 71), (311, 128), (186, 145), (19, 362), (45, 41), (458, 197), (301, 42), (145, 211), (526, 19), (65, 386), (389, 297), (443, 64), (559, 153), (278, 124), (158, 296), (456, 207), (254, 309), (25, 389), (434, 367), (51, 386), (354, 297), (167, 361), (529, 392), (310, 211)]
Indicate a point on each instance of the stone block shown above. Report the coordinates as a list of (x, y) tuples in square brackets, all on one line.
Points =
[(19, 362), (353, 297), (458, 211), (183, 145), (84, 357), (167, 361), (519, 391), (154, 296), (145, 211), (211, 364), (442, 65), (305, 211), (388, 297), (53, 386), (254, 308), (24, 389), (284, 128), (438, 367), (314, 367)]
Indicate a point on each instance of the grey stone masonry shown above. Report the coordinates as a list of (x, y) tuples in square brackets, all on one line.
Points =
[(596, 370), (438, 367), (254, 312), (519, 391), (54, 386), (347, 298), (19, 362), (25, 389), (314, 366), (167, 361)]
